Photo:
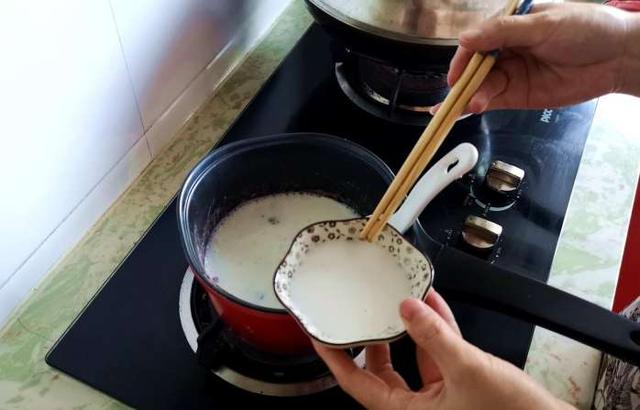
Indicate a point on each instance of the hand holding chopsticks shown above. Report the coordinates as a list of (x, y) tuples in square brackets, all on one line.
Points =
[(435, 133)]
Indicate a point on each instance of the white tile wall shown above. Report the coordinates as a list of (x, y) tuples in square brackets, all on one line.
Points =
[(68, 115), (73, 76), (167, 42), (73, 227), (252, 28)]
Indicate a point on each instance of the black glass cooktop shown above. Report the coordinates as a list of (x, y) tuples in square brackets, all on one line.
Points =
[(128, 342)]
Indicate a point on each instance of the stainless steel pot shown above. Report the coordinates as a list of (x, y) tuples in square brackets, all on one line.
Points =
[(411, 34), (429, 22)]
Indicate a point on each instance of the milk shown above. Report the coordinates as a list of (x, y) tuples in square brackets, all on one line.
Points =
[(248, 244), (349, 290)]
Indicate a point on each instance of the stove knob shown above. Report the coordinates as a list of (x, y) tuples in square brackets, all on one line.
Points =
[(480, 233), (504, 178)]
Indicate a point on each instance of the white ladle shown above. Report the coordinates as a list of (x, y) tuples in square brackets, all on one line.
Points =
[(449, 168)]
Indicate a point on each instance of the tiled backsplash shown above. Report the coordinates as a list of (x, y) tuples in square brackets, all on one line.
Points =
[(92, 91)]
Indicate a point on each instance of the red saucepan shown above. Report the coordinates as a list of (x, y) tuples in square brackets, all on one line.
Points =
[(295, 162)]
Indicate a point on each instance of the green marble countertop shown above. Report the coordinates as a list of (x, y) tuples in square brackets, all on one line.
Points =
[(586, 262)]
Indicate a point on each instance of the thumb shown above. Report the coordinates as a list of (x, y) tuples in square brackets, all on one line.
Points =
[(431, 333), (434, 109), (506, 32)]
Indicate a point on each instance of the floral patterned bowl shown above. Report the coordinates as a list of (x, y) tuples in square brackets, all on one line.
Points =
[(345, 291)]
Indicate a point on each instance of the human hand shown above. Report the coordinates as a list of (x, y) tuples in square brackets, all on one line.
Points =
[(560, 54), (455, 374)]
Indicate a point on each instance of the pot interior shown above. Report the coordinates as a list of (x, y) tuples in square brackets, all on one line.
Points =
[(253, 168)]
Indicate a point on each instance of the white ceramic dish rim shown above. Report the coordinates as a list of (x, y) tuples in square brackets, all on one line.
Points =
[(359, 342)]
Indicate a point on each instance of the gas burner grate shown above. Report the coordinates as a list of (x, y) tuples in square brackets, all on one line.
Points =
[(391, 93), (229, 358)]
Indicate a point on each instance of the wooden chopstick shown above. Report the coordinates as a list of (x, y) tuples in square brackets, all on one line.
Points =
[(432, 138), (410, 170), (434, 144), (422, 143)]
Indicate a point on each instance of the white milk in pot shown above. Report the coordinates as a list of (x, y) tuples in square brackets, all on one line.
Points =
[(248, 244)]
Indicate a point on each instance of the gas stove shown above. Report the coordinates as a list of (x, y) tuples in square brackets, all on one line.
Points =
[(144, 338)]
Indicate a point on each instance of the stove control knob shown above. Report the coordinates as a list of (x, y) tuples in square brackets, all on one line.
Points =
[(480, 233), (504, 178)]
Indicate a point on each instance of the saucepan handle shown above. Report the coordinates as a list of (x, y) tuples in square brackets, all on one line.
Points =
[(486, 285), (450, 167)]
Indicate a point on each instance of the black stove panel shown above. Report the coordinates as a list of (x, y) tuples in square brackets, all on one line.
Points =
[(128, 341)]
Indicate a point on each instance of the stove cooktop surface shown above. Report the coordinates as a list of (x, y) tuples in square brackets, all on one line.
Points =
[(129, 342)]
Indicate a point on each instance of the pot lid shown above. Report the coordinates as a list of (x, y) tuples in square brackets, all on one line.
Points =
[(430, 22)]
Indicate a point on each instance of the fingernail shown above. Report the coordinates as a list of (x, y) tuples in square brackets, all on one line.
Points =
[(470, 34), (475, 107), (450, 82), (409, 308)]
